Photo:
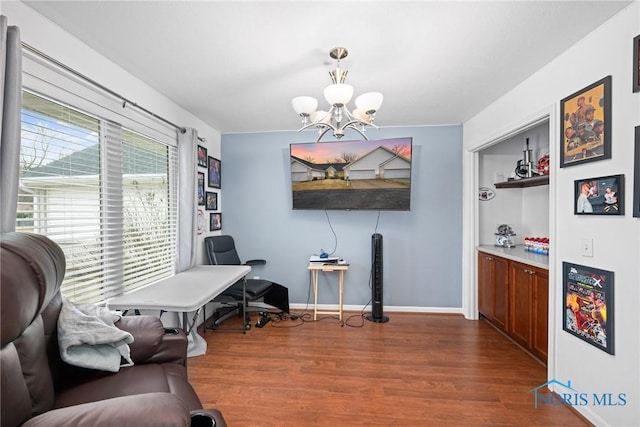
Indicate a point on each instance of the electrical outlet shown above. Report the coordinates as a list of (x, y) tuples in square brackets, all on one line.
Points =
[(586, 247)]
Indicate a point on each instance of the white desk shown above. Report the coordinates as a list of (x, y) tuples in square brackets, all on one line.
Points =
[(314, 268), (185, 292)]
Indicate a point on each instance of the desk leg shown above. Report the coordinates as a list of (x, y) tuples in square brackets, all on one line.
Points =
[(197, 346), (341, 291), (314, 280), (244, 305), (185, 323)]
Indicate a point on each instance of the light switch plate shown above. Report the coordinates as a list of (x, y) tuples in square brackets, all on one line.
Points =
[(586, 247)]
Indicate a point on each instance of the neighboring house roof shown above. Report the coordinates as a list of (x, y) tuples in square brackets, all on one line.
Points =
[(303, 162), (319, 166), (336, 166), (135, 160), (396, 159), (393, 155)]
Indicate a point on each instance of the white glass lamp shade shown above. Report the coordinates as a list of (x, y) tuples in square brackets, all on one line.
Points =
[(320, 116), (361, 115), (369, 102), (338, 94), (304, 105)]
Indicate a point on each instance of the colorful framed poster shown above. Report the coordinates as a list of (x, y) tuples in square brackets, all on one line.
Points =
[(599, 196), (202, 156), (636, 63), (588, 298), (636, 175), (586, 124), (215, 222), (212, 201), (200, 189), (214, 172)]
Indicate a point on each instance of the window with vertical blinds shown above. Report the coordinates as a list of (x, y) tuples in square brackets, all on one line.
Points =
[(104, 193)]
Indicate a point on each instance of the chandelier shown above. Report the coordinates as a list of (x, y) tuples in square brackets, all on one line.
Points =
[(338, 95)]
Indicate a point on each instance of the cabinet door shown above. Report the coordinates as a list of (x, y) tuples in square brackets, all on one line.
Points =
[(485, 285), (501, 293), (520, 303), (540, 320)]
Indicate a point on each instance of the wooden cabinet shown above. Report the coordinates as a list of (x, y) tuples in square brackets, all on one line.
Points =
[(493, 289), (540, 314), (520, 303), (514, 297)]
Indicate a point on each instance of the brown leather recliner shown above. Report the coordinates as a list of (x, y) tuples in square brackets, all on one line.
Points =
[(39, 389)]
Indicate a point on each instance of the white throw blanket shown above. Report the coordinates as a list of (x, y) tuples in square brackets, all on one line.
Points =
[(88, 338)]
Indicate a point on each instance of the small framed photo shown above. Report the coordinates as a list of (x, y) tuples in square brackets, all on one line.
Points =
[(202, 156), (599, 196), (588, 304), (215, 222), (214, 172), (636, 63), (200, 189), (636, 175), (212, 201), (586, 124)]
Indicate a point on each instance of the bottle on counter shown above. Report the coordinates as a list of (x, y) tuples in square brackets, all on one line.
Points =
[(537, 245)]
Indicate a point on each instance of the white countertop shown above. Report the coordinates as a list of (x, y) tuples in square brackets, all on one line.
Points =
[(518, 254)]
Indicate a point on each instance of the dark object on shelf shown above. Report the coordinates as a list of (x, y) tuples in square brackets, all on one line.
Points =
[(525, 168), (376, 314), (524, 182)]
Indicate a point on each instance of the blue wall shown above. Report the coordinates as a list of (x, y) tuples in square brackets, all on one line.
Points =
[(422, 247)]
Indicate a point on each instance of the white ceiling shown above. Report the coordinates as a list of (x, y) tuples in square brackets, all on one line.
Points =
[(237, 64)]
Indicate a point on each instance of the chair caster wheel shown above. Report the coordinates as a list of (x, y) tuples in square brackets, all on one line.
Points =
[(247, 326)]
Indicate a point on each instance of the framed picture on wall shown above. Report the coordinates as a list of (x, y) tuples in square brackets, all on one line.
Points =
[(200, 189), (588, 304), (212, 201), (636, 63), (586, 124), (214, 172), (202, 156), (636, 175), (599, 196), (215, 222)]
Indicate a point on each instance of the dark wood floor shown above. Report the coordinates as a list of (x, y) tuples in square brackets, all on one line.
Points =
[(416, 370)]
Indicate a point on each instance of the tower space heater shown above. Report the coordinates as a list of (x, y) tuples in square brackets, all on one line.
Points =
[(376, 314)]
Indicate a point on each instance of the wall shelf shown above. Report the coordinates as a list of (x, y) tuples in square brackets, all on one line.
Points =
[(534, 181)]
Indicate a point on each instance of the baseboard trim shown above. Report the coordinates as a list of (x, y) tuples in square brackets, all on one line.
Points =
[(390, 309)]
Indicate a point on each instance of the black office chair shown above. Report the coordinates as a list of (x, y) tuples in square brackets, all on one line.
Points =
[(221, 250)]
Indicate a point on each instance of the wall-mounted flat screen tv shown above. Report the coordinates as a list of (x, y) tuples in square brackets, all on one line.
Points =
[(352, 175)]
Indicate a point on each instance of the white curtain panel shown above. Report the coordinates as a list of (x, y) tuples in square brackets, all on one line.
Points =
[(11, 94), (187, 199)]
